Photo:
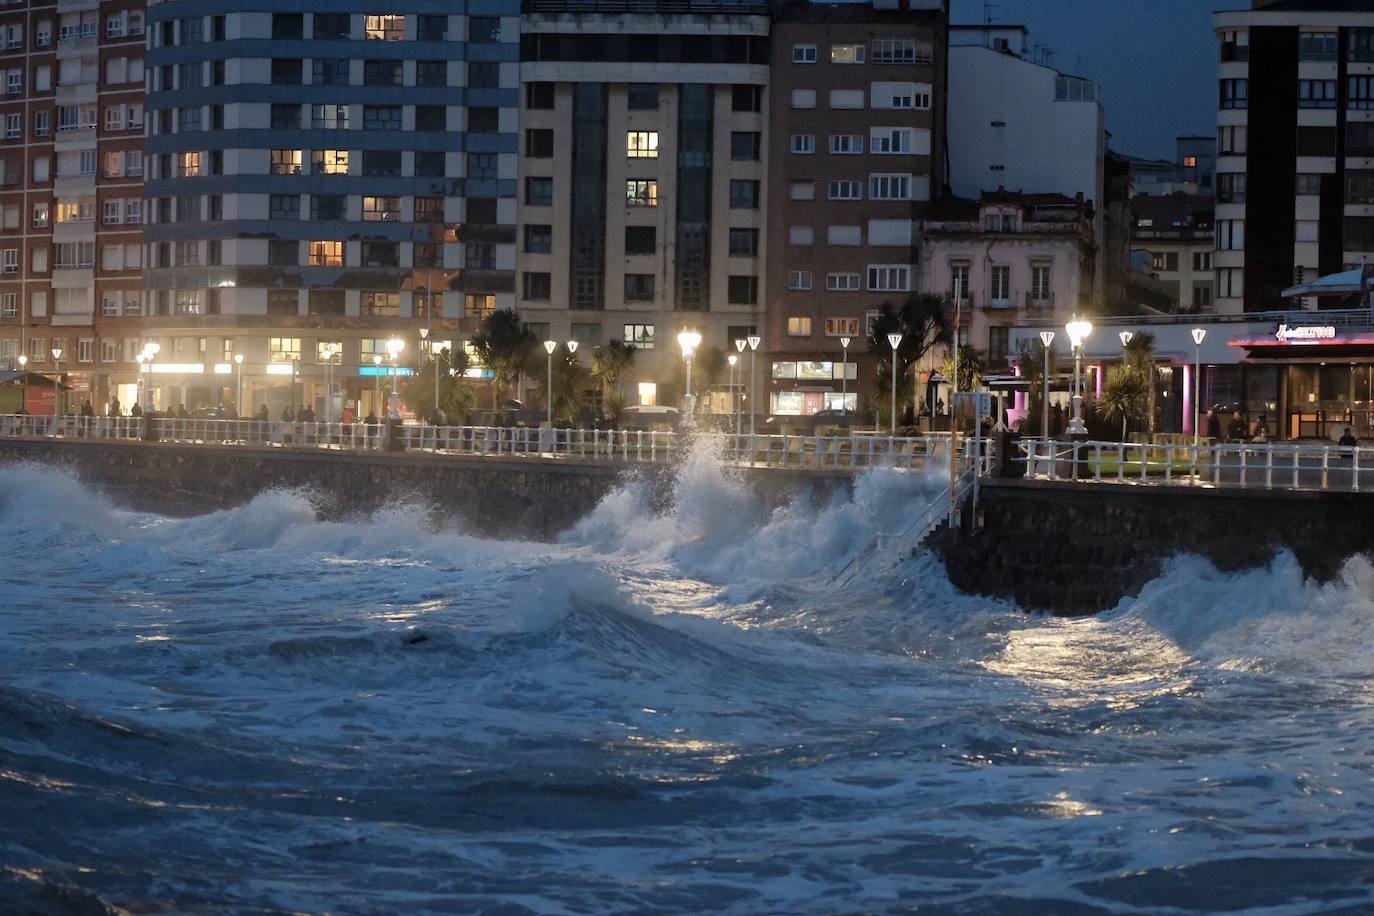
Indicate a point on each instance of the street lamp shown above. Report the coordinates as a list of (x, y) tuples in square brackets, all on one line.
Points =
[(376, 380), (424, 336), (753, 340), (24, 386), (844, 374), (549, 347), (1078, 329), (894, 341), (1126, 338), (238, 383), (394, 346), (689, 340), (1198, 335), (57, 370), (329, 350), (1046, 338), (150, 350), (732, 359)]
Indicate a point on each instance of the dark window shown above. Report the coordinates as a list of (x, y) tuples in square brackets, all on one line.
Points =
[(744, 195), (328, 206), (1230, 187), (744, 243), (744, 145), (537, 285), (482, 29), (1233, 51), (1361, 93), (481, 210), (1316, 93), (217, 28), (539, 143), (1359, 139), (1317, 46), (382, 117), (431, 28), (381, 162), (381, 254), (284, 206), (538, 239), (426, 254), (1316, 141), (747, 98), (283, 252), (283, 301), (214, 253), (193, 31), (640, 239), (217, 117), (286, 117), (288, 26), (1235, 93), (429, 209), (331, 25), (484, 75), (1361, 46), (1359, 188), (216, 207), (329, 72), (539, 192), (483, 165), (479, 255), (429, 164), (643, 97), (217, 72), (431, 118), (639, 287), (1359, 233), (743, 290), (325, 302), (483, 120), (431, 73), (1308, 184), (286, 72), (539, 95), (382, 73)]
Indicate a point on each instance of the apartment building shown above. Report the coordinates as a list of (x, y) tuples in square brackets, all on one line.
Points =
[(320, 181), (642, 194), (1008, 259), (71, 190), (1173, 240), (858, 152), (1295, 131)]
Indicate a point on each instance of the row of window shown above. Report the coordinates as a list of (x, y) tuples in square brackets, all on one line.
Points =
[(73, 118), (73, 26), (392, 118), (741, 289), (909, 96), (335, 72), (885, 51), (881, 186), (882, 278), (73, 256), (1167, 261), (1312, 93), (882, 141)]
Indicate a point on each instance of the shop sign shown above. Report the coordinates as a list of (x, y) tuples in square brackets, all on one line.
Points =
[(1305, 333)]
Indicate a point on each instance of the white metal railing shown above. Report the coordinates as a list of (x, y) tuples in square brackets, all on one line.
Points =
[(1246, 465), (623, 446)]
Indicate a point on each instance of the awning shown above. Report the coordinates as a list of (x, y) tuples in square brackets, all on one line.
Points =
[(36, 379), (1345, 283)]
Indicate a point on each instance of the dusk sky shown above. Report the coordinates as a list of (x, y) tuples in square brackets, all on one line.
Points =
[(1156, 59)]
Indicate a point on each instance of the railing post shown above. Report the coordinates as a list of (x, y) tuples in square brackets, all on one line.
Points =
[(1355, 469), (1326, 465), (1269, 465), (1244, 454)]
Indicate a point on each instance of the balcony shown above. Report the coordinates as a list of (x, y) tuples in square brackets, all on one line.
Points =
[(82, 137), (1040, 300), (996, 302), (76, 93), (966, 302)]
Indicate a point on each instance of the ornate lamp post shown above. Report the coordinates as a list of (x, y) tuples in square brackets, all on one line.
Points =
[(1046, 338), (330, 351), (238, 384), (549, 347), (150, 350), (24, 386), (732, 359), (1198, 335), (753, 340), (1079, 330), (394, 346), (376, 380), (844, 374), (57, 370), (688, 340), (894, 341)]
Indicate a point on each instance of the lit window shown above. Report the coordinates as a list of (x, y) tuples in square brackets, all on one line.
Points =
[(1190, 162), (286, 162), (798, 327), (641, 193), (330, 161), (283, 349), (641, 144), (847, 54), (189, 164), (384, 28), (326, 254)]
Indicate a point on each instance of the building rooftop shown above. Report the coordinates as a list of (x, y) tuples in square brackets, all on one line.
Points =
[(649, 7), (1314, 6), (854, 13)]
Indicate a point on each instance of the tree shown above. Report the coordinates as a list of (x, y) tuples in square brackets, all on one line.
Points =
[(1032, 360), (456, 396), (1140, 356), (923, 321), (503, 345), (1125, 395), (970, 368), (882, 392), (609, 365)]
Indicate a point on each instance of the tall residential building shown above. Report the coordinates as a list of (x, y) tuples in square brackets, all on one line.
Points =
[(71, 189), (1295, 131), (642, 192), (1173, 237), (858, 152), (323, 178)]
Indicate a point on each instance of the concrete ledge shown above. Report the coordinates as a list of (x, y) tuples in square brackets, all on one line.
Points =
[(1077, 548), (501, 497)]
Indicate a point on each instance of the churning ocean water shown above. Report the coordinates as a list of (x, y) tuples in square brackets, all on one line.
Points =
[(259, 711)]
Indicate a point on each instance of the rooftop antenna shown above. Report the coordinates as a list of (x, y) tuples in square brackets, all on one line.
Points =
[(988, 7)]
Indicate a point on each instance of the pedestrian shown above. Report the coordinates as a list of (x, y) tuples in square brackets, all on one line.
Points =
[(1348, 439), (1237, 430), (1056, 420), (1213, 425), (262, 415), (114, 406), (136, 410), (180, 412), (287, 414), (1261, 429), (371, 422)]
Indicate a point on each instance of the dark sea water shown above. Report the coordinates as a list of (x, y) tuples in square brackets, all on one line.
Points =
[(256, 711)]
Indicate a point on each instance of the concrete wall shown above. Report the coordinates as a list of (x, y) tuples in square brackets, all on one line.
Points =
[(496, 497), (1080, 548)]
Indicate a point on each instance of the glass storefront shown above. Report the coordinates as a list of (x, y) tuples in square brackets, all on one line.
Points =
[(1325, 398)]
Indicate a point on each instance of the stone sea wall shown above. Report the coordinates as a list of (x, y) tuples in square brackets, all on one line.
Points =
[(524, 498), (1074, 548)]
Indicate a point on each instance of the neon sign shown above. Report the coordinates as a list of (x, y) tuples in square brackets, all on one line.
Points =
[(1305, 334)]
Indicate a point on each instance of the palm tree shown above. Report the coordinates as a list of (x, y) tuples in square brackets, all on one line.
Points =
[(609, 365), (455, 392), (1032, 360), (1124, 395), (567, 382), (1140, 356), (923, 321), (503, 345)]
